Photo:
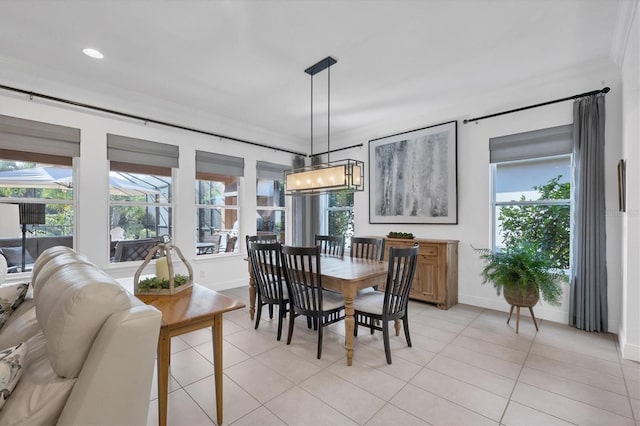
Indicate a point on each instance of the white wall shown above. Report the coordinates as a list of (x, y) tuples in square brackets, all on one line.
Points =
[(474, 224), (629, 333), (92, 185), (474, 213)]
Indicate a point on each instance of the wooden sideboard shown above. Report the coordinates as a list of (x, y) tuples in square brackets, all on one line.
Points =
[(436, 277)]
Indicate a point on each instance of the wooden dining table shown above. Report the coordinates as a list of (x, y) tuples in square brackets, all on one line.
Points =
[(347, 276)]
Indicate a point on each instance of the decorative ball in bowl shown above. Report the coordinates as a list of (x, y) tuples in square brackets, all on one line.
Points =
[(403, 235)]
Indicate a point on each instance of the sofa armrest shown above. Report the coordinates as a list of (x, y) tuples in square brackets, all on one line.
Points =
[(114, 384)]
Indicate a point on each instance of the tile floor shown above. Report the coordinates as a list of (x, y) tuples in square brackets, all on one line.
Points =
[(466, 367)]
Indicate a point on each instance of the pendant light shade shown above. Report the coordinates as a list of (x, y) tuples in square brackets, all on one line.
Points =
[(330, 176)]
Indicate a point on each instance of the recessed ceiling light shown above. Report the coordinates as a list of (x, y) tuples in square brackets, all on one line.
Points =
[(93, 53)]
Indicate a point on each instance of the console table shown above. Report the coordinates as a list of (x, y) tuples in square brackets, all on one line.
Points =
[(436, 277)]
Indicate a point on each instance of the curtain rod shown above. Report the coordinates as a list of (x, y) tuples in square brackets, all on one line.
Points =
[(146, 120), (359, 145), (581, 95)]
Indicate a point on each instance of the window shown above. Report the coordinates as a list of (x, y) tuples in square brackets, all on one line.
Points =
[(532, 191), (217, 190), (140, 199), (36, 188), (270, 199), (338, 215)]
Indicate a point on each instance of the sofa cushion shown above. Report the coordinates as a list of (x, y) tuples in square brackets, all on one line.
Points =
[(13, 255), (12, 363), (21, 325), (71, 307), (11, 296), (45, 257), (41, 395), (69, 259)]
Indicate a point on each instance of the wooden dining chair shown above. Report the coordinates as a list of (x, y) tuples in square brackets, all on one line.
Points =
[(301, 267), (265, 261), (332, 245), (392, 304), (366, 248), (260, 238)]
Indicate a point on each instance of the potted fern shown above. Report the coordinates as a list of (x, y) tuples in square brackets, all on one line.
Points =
[(523, 274)]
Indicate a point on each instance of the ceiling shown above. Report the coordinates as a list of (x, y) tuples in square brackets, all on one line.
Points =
[(237, 65)]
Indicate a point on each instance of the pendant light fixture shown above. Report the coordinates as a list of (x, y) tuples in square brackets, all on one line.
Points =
[(330, 176)]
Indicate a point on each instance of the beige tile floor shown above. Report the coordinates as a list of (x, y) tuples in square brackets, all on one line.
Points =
[(466, 367)]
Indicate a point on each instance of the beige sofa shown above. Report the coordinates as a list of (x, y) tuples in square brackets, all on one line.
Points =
[(90, 347)]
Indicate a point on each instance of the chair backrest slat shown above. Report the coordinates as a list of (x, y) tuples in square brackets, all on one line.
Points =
[(267, 272), (260, 238), (366, 248), (332, 245), (402, 267), (301, 267)]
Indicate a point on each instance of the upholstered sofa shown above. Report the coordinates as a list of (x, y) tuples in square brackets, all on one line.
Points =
[(90, 347)]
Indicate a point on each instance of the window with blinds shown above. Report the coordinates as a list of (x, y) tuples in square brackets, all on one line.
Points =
[(270, 199), (217, 195), (531, 190), (35, 173), (140, 195)]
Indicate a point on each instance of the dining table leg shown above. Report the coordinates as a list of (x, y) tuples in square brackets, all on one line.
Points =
[(349, 322), (217, 364)]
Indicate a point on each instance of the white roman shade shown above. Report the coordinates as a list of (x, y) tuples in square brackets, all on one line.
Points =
[(271, 171), (219, 164), (20, 135), (534, 144)]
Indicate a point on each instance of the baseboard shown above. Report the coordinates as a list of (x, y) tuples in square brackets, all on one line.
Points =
[(541, 310), (628, 351)]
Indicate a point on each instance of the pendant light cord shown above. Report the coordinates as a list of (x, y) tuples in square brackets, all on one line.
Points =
[(328, 113), (311, 115)]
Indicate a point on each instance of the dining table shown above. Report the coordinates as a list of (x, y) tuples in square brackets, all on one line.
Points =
[(345, 275)]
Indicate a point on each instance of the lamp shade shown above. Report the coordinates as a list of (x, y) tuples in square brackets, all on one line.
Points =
[(31, 214)]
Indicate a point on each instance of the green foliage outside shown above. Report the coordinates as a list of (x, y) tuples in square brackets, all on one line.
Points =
[(545, 227), (341, 221), (136, 221), (59, 217)]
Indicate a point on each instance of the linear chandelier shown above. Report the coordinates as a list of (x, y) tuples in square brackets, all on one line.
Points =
[(330, 176)]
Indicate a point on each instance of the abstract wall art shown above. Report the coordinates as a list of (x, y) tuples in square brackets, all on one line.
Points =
[(413, 176)]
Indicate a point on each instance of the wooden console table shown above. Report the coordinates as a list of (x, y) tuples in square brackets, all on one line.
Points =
[(182, 313), (436, 278)]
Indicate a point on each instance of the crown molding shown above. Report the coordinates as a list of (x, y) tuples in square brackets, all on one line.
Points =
[(624, 21)]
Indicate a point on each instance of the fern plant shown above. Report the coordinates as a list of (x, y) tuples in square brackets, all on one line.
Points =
[(522, 267)]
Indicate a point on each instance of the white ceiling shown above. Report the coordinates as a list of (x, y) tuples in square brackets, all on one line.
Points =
[(238, 64)]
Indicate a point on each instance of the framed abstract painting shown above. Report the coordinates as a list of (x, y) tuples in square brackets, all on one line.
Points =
[(413, 176)]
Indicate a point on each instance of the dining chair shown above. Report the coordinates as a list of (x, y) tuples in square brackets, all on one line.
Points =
[(392, 304), (366, 248), (301, 267), (265, 261), (261, 238), (231, 244), (214, 240), (332, 245)]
